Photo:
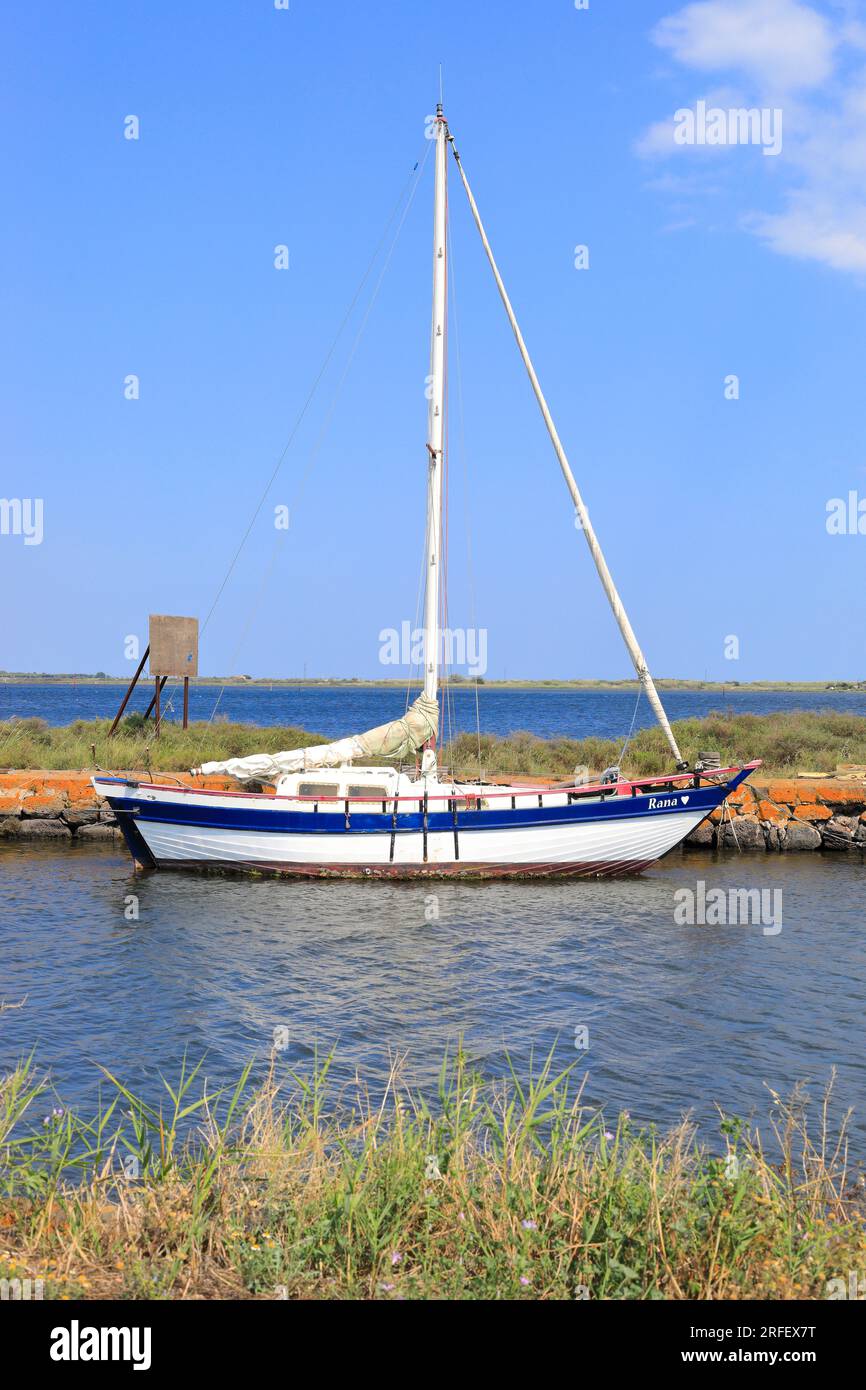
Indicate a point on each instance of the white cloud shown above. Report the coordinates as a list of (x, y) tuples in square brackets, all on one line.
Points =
[(779, 42), (816, 233), (783, 52)]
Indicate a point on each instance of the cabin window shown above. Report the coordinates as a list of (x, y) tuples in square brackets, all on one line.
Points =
[(357, 792), (319, 789)]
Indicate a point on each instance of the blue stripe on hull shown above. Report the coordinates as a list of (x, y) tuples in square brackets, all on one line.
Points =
[(266, 819)]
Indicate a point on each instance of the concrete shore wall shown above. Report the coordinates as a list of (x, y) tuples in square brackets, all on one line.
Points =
[(771, 815)]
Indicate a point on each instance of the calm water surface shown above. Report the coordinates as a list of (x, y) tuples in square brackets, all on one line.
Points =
[(336, 711), (680, 1017)]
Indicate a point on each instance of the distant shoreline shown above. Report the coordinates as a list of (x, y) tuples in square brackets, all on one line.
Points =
[(355, 683)]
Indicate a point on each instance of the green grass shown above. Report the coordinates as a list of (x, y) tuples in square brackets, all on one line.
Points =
[(799, 740), (509, 1190), (32, 743), (787, 742)]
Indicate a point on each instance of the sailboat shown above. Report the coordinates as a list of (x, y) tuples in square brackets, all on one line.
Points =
[(378, 804)]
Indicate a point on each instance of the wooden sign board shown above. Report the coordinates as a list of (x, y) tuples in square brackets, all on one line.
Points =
[(173, 645)]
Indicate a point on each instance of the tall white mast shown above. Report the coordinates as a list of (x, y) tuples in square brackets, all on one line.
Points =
[(625, 627), (435, 421)]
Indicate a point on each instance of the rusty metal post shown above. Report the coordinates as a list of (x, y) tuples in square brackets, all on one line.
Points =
[(186, 702), (132, 684), (156, 710), (149, 711)]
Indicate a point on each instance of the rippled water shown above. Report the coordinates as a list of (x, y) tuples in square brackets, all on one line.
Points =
[(335, 711), (679, 1017)]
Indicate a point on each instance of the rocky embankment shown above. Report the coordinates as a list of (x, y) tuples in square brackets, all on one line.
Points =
[(798, 813), (795, 814), (63, 805)]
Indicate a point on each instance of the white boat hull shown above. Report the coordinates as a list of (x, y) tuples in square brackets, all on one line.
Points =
[(621, 847), (173, 827)]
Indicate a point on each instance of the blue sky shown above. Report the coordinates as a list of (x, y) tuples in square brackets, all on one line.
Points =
[(261, 127)]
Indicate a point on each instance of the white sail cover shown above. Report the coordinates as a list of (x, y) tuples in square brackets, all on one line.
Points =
[(395, 741)]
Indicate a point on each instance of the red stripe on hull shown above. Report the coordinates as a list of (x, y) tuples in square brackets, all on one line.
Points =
[(613, 868)]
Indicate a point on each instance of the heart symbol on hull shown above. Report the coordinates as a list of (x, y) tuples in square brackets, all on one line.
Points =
[(685, 799)]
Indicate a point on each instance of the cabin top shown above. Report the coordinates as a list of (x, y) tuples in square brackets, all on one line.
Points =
[(347, 783)]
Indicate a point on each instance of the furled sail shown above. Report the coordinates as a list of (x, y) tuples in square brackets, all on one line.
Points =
[(395, 741)]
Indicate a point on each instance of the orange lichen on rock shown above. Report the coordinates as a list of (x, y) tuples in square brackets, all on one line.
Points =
[(743, 796), (768, 810), (840, 793), (812, 813), (18, 781), (793, 792), (42, 803)]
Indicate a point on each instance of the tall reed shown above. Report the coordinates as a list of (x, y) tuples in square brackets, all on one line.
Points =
[(295, 1187)]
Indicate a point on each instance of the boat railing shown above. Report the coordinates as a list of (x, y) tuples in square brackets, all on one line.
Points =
[(477, 797), (626, 786), (472, 799)]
